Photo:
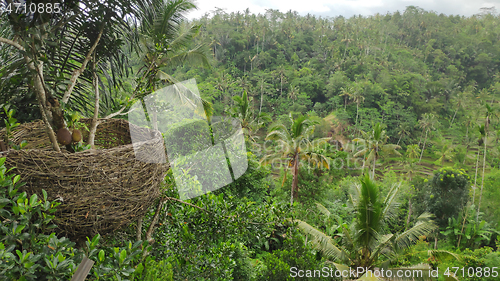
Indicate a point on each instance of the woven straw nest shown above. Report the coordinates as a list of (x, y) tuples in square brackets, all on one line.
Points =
[(100, 190)]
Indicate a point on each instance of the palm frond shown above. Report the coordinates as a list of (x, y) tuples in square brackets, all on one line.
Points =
[(321, 241), (323, 209), (443, 254), (424, 226), (390, 201), (195, 56), (368, 213)]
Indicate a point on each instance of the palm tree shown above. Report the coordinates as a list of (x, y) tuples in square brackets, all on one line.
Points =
[(411, 168), (363, 243), (296, 146), (490, 113), (243, 82), (404, 130), (427, 123), (281, 73), (346, 92), (446, 152), (374, 142), (468, 142), (412, 151), (358, 97), (166, 44), (243, 112), (482, 133), (293, 93), (460, 100)]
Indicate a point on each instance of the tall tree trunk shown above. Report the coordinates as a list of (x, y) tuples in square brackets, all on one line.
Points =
[(399, 139), (363, 168), (420, 139), (451, 123), (93, 125), (281, 87), (482, 180), (374, 161), (466, 152), (295, 180), (475, 178), (357, 110), (48, 114), (261, 95), (49, 106), (422, 153), (463, 226)]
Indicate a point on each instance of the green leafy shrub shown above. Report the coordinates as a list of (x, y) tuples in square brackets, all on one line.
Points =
[(277, 265), (447, 194), (153, 270), (471, 231), (473, 262), (27, 252)]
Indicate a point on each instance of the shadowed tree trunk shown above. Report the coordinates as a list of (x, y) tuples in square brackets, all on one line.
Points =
[(482, 180), (422, 153), (475, 178), (295, 177)]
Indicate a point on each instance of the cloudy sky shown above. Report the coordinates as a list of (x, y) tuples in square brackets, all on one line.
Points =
[(346, 8)]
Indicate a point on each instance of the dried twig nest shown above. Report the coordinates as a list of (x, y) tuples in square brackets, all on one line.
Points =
[(100, 190)]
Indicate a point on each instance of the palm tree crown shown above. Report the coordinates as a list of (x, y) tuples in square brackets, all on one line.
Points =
[(295, 146), (373, 142), (244, 113)]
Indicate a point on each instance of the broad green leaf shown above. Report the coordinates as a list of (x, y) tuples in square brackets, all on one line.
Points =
[(101, 255)]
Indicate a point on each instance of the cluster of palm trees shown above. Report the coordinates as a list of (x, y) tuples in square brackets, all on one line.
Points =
[(296, 147)]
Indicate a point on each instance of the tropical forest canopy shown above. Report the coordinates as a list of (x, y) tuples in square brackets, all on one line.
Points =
[(371, 141)]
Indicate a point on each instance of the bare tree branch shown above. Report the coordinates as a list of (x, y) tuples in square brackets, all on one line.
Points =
[(149, 233), (12, 43)]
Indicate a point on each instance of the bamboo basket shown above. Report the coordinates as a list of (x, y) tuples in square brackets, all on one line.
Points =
[(100, 190)]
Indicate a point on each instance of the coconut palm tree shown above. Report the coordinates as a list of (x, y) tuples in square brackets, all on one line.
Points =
[(243, 112), (427, 123), (490, 113), (363, 243), (480, 142), (166, 44), (295, 146), (373, 143), (412, 151), (358, 97), (293, 93), (446, 152), (346, 92), (468, 142), (280, 71), (403, 130), (460, 99)]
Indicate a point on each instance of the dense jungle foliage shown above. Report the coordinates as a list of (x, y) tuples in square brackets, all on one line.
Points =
[(371, 141)]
